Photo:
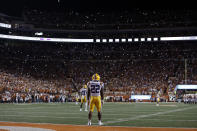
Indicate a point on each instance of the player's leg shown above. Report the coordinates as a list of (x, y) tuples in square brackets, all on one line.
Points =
[(86, 104), (81, 104), (90, 118), (98, 106), (76, 101), (157, 101), (92, 105)]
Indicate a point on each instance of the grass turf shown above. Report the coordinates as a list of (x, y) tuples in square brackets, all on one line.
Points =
[(114, 114)]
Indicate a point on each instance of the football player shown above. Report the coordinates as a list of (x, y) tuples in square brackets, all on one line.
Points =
[(95, 97), (76, 98), (83, 93), (158, 98)]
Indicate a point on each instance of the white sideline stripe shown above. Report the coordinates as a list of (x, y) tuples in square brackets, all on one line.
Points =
[(95, 123), (14, 128), (145, 116)]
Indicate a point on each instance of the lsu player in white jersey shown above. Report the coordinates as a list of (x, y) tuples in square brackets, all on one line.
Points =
[(83, 93), (158, 98), (76, 98), (95, 97)]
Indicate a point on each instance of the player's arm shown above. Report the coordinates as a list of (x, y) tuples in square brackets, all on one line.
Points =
[(102, 94), (88, 95)]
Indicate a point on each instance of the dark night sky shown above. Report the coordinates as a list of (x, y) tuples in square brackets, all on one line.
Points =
[(15, 7)]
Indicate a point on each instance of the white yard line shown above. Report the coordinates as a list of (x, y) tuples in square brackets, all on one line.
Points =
[(148, 115), (96, 125), (14, 128)]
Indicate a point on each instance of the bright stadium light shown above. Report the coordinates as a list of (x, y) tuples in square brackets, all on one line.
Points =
[(155, 39), (178, 38), (45, 39), (130, 40), (39, 33), (136, 39), (104, 40), (148, 39), (117, 40), (110, 40), (142, 39), (5, 25), (98, 40), (123, 40)]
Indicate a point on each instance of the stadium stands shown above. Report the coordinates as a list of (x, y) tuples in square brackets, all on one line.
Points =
[(47, 70), (31, 68)]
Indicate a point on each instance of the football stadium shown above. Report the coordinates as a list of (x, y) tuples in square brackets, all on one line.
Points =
[(67, 67)]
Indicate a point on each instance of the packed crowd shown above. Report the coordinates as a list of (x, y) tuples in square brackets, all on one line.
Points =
[(23, 88), (190, 98), (52, 72)]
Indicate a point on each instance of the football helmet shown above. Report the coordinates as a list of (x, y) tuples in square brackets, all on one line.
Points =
[(84, 86), (96, 77)]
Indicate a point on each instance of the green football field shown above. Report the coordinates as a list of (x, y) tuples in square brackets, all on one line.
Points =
[(114, 114)]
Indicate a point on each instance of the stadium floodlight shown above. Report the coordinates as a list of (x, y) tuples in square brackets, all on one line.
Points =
[(123, 40), (148, 39), (104, 40), (136, 39), (98, 40), (110, 40), (130, 40), (178, 38), (39, 33), (117, 40), (45, 39), (5, 25), (155, 39), (142, 39)]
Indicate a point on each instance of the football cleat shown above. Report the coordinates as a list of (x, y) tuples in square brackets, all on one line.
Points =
[(80, 109), (89, 123), (86, 110), (100, 123)]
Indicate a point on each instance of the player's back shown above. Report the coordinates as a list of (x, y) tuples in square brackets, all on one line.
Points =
[(95, 87), (83, 91)]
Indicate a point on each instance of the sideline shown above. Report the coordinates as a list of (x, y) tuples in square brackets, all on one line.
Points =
[(62, 127)]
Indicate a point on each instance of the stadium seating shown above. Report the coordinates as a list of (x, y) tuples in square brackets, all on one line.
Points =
[(53, 71)]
